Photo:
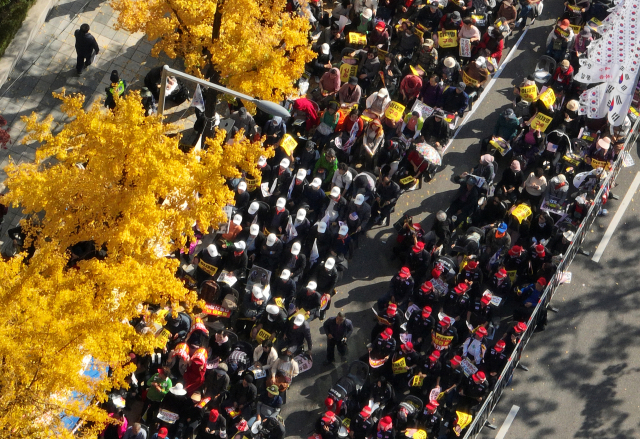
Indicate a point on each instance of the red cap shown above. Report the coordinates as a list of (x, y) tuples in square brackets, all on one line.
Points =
[(540, 249), (328, 417), (461, 288), (457, 359), (500, 346), (501, 274), (426, 311), (418, 247), (564, 24), (479, 376), (408, 346), (432, 405), (387, 333), (427, 286), (163, 432), (366, 412), (433, 358), (515, 250), (161, 370), (520, 327), (328, 402), (436, 353), (472, 265), (213, 415), (435, 273), (482, 331), (385, 423), (404, 272), (380, 26), (542, 281), (448, 321), (392, 309), (486, 299)]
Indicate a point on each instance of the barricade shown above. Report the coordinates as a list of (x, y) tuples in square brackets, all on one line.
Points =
[(481, 418)]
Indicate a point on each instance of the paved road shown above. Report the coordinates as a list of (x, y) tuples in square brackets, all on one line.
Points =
[(583, 379), (371, 267)]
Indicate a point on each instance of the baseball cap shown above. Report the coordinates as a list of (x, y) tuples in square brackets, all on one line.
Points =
[(253, 207), (311, 285), (285, 163), (461, 288), (330, 263), (457, 359), (344, 229), (500, 346), (301, 174), (237, 220), (366, 412), (271, 239), (482, 331), (520, 327), (479, 376), (295, 248), (281, 202), (286, 274), (418, 247), (299, 320), (426, 311), (242, 186), (427, 286), (359, 200), (316, 183), (486, 299), (542, 281), (163, 432), (502, 227), (254, 230), (335, 192), (404, 272), (387, 333), (501, 274), (392, 309)]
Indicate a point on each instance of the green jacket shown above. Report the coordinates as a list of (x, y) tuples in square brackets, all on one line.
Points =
[(330, 168), (152, 393)]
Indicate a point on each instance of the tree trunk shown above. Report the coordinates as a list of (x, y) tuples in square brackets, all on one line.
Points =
[(213, 75)]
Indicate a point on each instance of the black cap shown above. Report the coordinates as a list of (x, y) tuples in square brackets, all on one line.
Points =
[(114, 76), (353, 80)]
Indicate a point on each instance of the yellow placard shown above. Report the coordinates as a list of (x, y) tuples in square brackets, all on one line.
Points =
[(512, 276), (576, 28), (347, 71), (280, 302), (356, 38), (634, 111), (207, 268), (420, 434), (469, 80), (574, 8), (346, 422), (263, 335), (382, 54), (529, 93), (440, 396), (163, 337), (399, 366), (521, 212), (448, 38), (497, 144), (253, 183), (394, 111), (407, 180), (288, 144), (441, 340), (540, 122), (417, 381), (419, 30), (548, 97), (464, 419), (595, 164)]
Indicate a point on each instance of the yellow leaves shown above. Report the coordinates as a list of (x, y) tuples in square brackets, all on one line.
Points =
[(262, 49)]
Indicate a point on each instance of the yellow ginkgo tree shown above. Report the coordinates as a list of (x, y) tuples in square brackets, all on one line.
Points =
[(119, 180)]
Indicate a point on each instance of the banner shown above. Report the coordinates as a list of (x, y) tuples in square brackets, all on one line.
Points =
[(465, 47), (217, 311), (289, 144), (469, 80), (463, 420), (548, 97), (417, 381), (357, 39), (399, 366), (347, 71), (424, 110), (521, 212), (529, 93), (448, 38), (394, 111), (441, 341), (540, 122)]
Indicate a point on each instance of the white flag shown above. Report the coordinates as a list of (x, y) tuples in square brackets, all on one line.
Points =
[(313, 257), (290, 231), (198, 100)]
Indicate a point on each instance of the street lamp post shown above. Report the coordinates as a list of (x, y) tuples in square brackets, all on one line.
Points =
[(266, 106)]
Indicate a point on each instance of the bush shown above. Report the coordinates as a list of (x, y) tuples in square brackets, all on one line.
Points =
[(12, 14)]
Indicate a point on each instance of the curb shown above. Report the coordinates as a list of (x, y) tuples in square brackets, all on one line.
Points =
[(32, 23)]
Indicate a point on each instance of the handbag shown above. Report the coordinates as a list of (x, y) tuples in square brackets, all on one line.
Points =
[(324, 129)]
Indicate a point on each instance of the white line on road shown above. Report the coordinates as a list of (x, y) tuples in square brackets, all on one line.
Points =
[(507, 422), (616, 219), (477, 103)]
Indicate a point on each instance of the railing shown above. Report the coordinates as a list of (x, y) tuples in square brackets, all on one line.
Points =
[(482, 416)]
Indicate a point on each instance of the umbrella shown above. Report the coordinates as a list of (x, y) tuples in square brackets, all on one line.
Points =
[(429, 153)]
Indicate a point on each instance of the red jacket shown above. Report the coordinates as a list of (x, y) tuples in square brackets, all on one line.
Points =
[(496, 53)]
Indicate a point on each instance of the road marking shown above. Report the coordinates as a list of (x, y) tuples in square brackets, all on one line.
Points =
[(616, 219), (507, 422), (477, 103)]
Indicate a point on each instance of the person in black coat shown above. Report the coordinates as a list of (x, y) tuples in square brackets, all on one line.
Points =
[(277, 222), (86, 44), (242, 198), (295, 262), (236, 261), (466, 201)]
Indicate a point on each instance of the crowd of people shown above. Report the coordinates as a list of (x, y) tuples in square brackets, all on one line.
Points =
[(390, 81)]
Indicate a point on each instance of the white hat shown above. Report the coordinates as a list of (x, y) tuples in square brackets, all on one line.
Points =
[(257, 292), (301, 215), (281, 202), (242, 186), (295, 249), (262, 161), (302, 173), (383, 92), (325, 49), (273, 309), (344, 229), (286, 274), (604, 143), (335, 192), (562, 178), (237, 220), (312, 285), (240, 245), (441, 215), (285, 163), (178, 389), (359, 200), (330, 263), (254, 230), (271, 239), (254, 207), (367, 13), (212, 250), (449, 62), (316, 183), (322, 227), (568, 235), (299, 320)]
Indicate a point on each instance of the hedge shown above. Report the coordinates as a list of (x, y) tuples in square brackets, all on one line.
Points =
[(12, 14)]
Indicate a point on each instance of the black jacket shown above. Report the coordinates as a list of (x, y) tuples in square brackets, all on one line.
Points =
[(85, 43)]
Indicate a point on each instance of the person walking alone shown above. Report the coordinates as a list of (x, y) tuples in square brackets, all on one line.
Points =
[(86, 45)]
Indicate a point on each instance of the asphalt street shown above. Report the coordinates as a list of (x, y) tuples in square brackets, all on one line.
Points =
[(372, 267)]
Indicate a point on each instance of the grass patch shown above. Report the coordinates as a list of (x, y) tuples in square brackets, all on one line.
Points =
[(12, 14)]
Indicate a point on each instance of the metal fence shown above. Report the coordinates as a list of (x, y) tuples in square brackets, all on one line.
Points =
[(482, 416)]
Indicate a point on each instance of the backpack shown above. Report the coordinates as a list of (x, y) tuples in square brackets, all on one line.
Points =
[(182, 94)]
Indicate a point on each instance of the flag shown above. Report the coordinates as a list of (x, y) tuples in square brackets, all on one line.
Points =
[(313, 257), (198, 100), (290, 231)]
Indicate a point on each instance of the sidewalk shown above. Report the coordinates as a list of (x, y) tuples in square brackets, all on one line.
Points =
[(48, 66)]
